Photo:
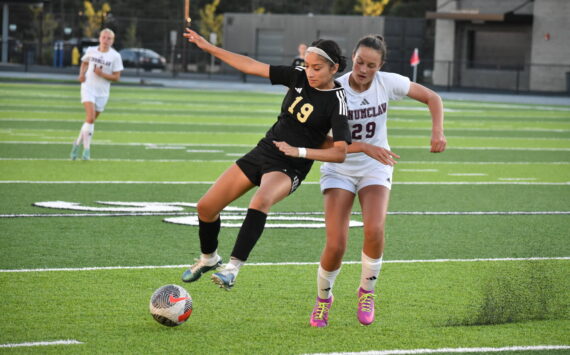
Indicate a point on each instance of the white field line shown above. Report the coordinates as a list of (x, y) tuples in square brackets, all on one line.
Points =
[(190, 124), (104, 268), (356, 213), (419, 170), (215, 124), (468, 174), (251, 145), (204, 132), (136, 144), (430, 162), (453, 350), (41, 343), (564, 183), (135, 160)]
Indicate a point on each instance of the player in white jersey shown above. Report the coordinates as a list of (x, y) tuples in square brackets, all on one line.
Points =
[(367, 172), (100, 66)]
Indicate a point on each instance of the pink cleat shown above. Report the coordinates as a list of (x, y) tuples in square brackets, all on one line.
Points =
[(320, 315), (365, 306)]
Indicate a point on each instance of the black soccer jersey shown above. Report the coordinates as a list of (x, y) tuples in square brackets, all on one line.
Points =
[(307, 114)]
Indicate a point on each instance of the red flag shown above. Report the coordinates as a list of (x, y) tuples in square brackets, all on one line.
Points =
[(415, 59)]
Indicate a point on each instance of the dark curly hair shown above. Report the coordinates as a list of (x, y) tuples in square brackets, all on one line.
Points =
[(333, 50)]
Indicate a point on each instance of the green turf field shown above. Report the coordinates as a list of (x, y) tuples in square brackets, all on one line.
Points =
[(478, 241)]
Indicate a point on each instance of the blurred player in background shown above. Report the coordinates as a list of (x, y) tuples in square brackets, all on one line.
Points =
[(299, 60), (99, 67), (314, 105), (366, 173)]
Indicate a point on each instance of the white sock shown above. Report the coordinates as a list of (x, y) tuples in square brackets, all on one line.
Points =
[(80, 137), (210, 259), (235, 264), (88, 130), (325, 282), (370, 271)]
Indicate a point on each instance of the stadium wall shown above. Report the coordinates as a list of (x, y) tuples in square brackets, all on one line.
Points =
[(274, 38)]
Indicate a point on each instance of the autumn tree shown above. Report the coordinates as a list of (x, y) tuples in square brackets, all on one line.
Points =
[(371, 7), (95, 18), (210, 22)]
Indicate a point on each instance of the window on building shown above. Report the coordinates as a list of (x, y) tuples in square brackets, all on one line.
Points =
[(497, 50)]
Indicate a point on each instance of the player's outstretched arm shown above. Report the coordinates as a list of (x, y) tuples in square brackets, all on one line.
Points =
[(383, 155), (435, 105), (240, 62), (334, 154)]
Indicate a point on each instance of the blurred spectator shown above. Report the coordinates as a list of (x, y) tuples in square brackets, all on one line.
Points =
[(300, 58)]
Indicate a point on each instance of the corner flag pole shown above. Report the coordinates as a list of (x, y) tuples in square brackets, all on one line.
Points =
[(414, 61)]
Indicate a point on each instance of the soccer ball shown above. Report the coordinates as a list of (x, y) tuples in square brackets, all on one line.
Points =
[(170, 305)]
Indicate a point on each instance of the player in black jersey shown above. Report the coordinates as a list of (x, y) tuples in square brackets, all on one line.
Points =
[(299, 60), (314, 105)]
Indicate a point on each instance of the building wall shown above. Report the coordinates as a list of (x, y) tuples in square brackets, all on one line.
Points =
[(274, 38), (550, 57), (444, 48), (494, 6), (546, 62)]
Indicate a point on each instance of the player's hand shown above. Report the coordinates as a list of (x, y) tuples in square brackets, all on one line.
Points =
[(287, 149), (193, 37), (438, 143), (98, 71), (384, 156), (81, 78)]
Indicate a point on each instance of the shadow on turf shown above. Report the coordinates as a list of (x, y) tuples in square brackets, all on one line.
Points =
[(515, 293)]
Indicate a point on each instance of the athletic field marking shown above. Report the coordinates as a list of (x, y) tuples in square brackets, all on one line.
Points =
[(468, 174), (516, 179), (453, 350), (131, 160), (138, 144), (103, 268), (401, 162), (192, 124), (186, 214), (431, 162), (41, 343), (304, 182), (251, 145), (203, 151)]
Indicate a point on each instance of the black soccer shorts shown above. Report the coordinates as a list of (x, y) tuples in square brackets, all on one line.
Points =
[(261, 160)]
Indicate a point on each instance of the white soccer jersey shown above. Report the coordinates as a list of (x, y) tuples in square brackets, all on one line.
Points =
[(109, 61), (367, 116)]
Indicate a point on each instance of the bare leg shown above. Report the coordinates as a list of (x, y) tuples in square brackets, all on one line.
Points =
[(231, 185), (338, 205), (374, 201)]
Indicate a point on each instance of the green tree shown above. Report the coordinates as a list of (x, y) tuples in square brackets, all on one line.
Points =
[(211, 22), (344, 7), (42, 31), (371, 7), (131, 39), (410, 8)]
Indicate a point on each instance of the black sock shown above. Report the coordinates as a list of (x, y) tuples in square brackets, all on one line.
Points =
[(208, 233), (249, 233)]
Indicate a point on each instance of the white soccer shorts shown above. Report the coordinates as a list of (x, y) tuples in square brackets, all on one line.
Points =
[(381, 175), (88, 95)]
